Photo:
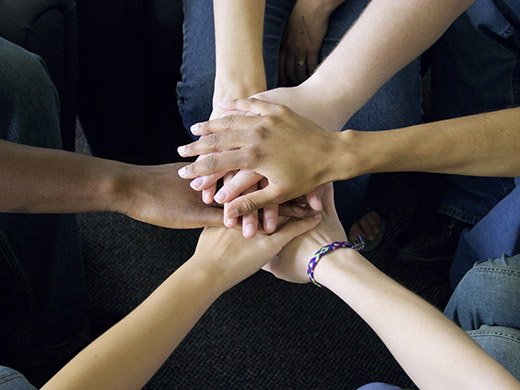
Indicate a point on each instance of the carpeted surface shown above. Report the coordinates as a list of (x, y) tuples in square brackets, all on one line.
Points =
[(264, 333)]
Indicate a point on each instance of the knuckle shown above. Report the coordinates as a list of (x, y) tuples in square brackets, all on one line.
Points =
[(212, 141), (210, 162), (249, 205), (260, 133), (269, 121), (227, 122), (283, 109)]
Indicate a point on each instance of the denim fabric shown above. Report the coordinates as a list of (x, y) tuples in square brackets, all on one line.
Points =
[(13, 380), (396, 104), (475, 69), (378, 386), (42, 289), (486, 304), (496, 234)]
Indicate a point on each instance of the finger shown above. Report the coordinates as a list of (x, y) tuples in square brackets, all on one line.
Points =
[(202, 182), (208, 194), (228, 122), (270, 215), (214, 142), (214, 163), (300, 68), (247, 203), (237, 185), (314, 199), (312, 62), (295, 228), (293, 210), (250, 220), (252, 105)]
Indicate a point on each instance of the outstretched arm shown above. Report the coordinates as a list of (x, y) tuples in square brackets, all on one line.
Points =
[(38, 180), (271, 145), (386, 37), (434, 352), (128, 354)]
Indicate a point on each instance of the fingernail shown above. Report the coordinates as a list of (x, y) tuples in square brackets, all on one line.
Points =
[(195, 184), (181, 150), (269, 226), (194, 128), (182, 172), (249, 230), (206, 198), (220, 196)]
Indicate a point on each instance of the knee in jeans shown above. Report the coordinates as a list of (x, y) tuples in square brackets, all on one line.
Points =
[(21, 71)]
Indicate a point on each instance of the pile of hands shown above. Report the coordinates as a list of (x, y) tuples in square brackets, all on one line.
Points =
[(287, 179)]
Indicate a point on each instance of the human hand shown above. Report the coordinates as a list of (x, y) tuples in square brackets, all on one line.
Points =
[(300, 48), (269, 144), (231, 258), (291, 263), (156, 195)]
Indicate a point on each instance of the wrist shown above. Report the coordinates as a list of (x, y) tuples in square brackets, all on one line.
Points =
[(230, 88), (125, 180), (217, 279), (346, 156), (332, 268)]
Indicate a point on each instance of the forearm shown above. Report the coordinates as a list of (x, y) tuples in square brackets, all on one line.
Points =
[(431, 349), (40, 180), (386, 37), (477, 145), (239, 47), (127, 355)]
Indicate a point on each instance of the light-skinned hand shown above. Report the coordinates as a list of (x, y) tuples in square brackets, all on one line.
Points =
[(291, 263), (231, 258)]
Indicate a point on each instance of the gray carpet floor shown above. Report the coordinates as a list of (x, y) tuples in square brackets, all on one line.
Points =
[(264, 333)]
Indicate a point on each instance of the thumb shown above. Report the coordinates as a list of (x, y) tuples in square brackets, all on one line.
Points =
[(294, 228)]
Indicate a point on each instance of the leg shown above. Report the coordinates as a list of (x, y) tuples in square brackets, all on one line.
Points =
[(42, 289), (486, 304), (195, 90), (498, 232)]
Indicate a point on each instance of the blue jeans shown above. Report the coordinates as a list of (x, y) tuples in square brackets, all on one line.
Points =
[(42, 289), (495, 234), (475, 69), (13, 380), (486, 304), (396, 104)]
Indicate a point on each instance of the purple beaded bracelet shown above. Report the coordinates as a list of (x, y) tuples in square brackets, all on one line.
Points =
[(357, 245)]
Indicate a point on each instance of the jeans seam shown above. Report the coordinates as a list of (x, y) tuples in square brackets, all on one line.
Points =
[(494, 332), (496, 271), (26, 288)]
